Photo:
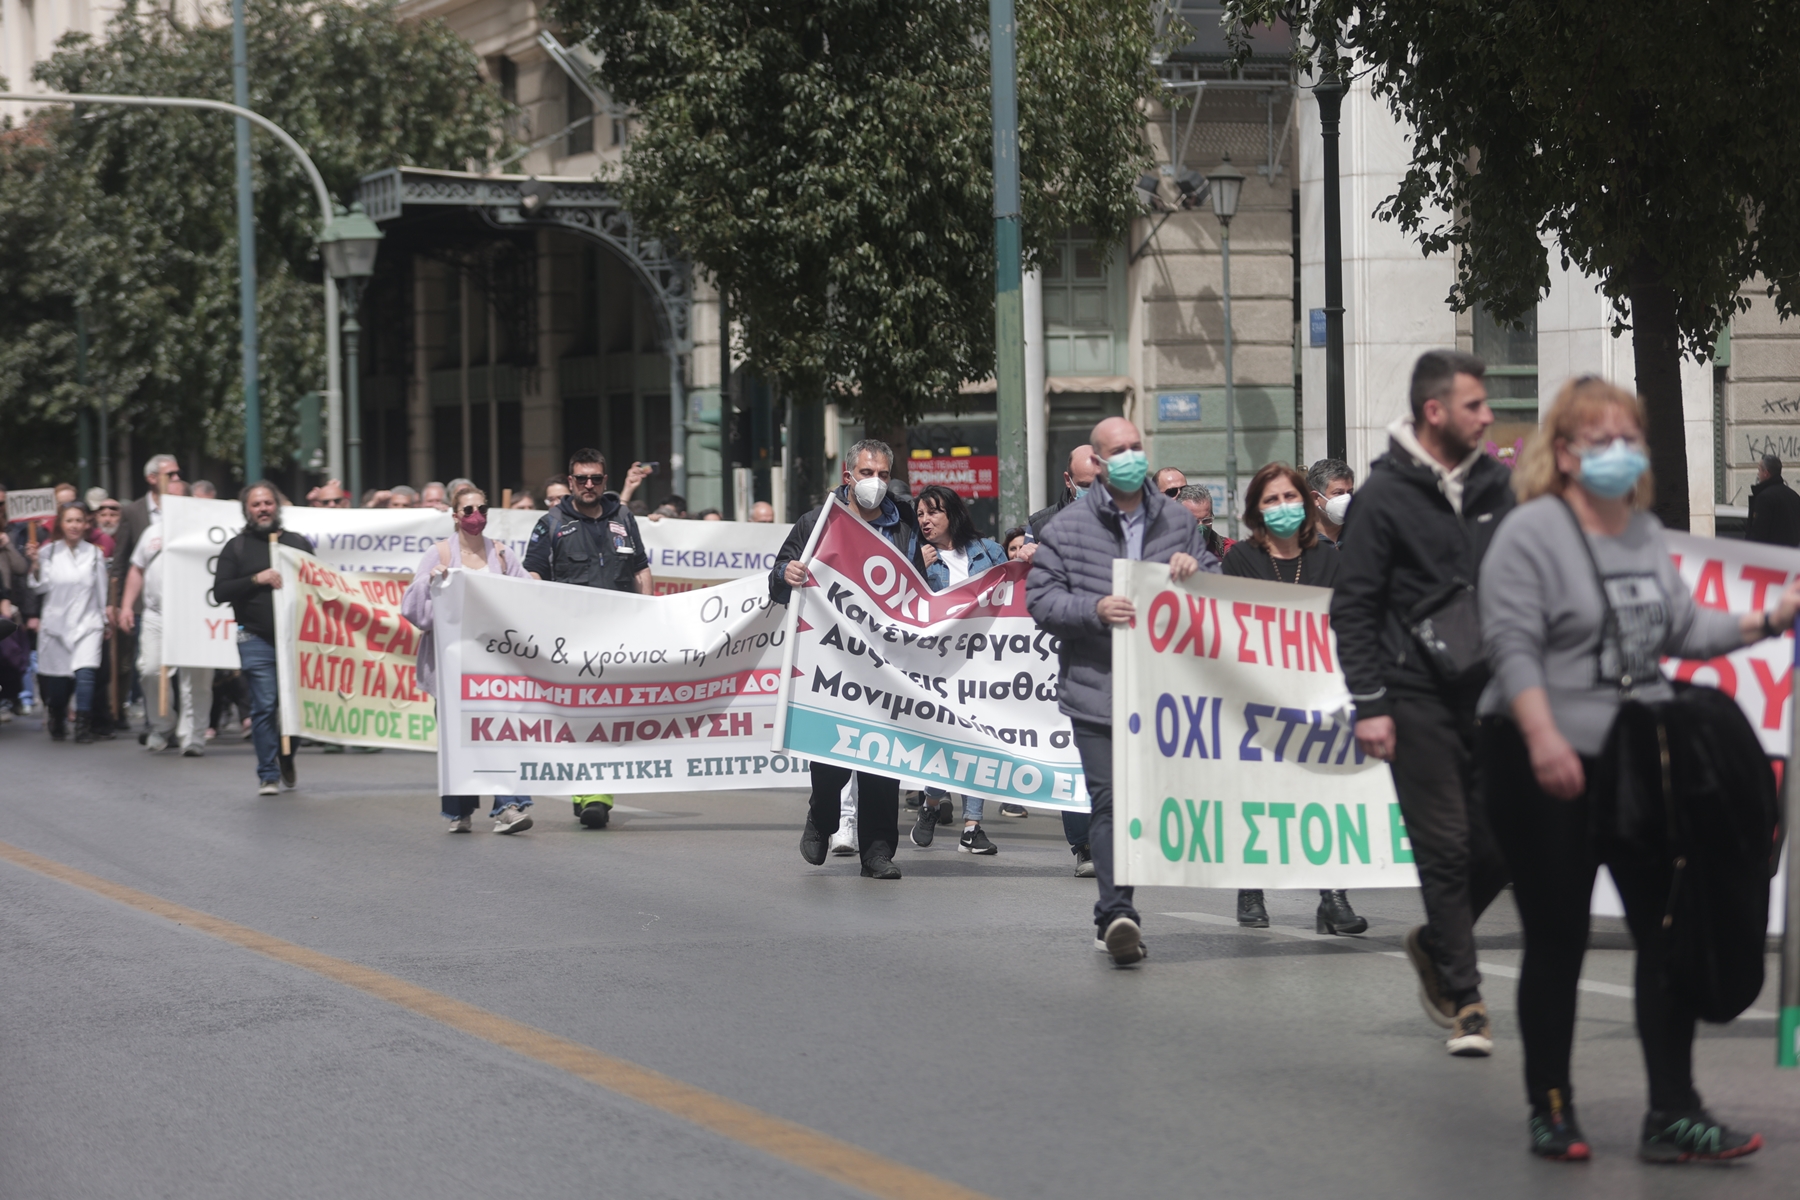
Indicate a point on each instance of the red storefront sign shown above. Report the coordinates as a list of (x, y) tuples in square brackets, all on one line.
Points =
[(976, 477)]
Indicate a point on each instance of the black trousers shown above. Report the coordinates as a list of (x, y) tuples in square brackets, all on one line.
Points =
[(1554, 849), (877, 807), (1460, 867), (1094, 744)]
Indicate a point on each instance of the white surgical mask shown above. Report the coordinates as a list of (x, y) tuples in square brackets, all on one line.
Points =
[(869, 492), (1336, 507)]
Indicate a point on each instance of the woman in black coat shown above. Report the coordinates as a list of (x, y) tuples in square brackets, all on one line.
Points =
[(1283, 547)]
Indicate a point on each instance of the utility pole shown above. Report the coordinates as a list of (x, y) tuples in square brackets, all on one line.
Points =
[(1329, 92), (246, 223), (1009, 297), (84, 467)]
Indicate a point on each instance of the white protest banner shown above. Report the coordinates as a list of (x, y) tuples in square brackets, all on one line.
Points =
[(200, 632), (348, 660), (954, 689), (683, 554), (1742, 577), (32, 504), (552, 689), (1234, 761)]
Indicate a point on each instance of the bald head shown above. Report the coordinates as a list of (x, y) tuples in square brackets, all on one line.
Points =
[(1080, 474), (1113, 435)]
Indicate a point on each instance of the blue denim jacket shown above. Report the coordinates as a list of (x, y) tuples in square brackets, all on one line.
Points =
[(983, 553)]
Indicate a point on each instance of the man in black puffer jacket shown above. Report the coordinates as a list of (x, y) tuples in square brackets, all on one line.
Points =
[(868, 469), (1416, 533), (1069, 593)]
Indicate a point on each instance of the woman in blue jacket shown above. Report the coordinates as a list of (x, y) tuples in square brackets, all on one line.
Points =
[(953, 552)]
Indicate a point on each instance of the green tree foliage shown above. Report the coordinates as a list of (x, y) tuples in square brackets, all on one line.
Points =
[(1656, 145), (131, 214), (829, 163)]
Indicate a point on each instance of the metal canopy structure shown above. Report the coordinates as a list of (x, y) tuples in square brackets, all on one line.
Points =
[(584, 207)]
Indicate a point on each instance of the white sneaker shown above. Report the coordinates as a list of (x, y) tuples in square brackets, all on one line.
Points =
[(843, 842), (460, 825), (197, 750), (512, 819), (269, 789), (156, 743)]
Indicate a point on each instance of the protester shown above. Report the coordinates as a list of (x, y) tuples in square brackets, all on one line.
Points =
[(65, 494), (1197, 499), (1284, 546), (1774, 507), (711, 514), (107, 514), (203, 489), (762, 513), (15, 600), (1413, 547), (1332, 483), (868, 469), (1579, 602), (69, 576), (468, 550), (555, 488), (330, 494), (433, 495), (192, 690), (401, 496), (375, 498), (591, 540), (1077, 479), (1069, 593), (953, 553), (246, 579), (1169, 481), (1013, 542), (163, 473), (522, 501)]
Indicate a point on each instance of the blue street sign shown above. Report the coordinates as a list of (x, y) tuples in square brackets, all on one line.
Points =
[(1178, 406), (1317, 326)]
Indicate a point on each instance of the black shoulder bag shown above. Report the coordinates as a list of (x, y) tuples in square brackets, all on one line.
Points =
[(1446, 626)]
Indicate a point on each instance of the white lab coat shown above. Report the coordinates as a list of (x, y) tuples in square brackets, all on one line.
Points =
[(73, 621)]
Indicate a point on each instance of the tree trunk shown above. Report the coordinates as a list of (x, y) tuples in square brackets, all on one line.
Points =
[(1656, 349), (894, 434)]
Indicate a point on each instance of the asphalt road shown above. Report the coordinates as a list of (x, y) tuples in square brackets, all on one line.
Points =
[(957, 1022)]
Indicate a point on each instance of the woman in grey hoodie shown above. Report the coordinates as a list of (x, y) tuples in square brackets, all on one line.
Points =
[(1565, 657)]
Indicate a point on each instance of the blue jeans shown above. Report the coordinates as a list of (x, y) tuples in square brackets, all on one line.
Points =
[(973, 806), (455, 808), (57, 689), (258, 660)]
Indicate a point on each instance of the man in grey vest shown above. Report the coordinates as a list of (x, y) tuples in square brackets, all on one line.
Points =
[(590, 539)]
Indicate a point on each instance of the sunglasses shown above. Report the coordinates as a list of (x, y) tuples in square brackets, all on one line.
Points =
[(1172, 492), (469, 510), (588, 480)]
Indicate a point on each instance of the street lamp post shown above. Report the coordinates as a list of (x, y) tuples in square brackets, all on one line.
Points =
[(349, 245), (1227, 183)]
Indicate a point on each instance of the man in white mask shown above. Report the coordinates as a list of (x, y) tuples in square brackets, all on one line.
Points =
[(1332, 483), (868, 469)]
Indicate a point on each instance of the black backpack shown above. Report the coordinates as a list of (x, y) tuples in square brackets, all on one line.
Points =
[(1695, 791)]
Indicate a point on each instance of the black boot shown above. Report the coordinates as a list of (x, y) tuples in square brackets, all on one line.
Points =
[(59, 724), (1336, 916), (1251, 913), (84, 727)]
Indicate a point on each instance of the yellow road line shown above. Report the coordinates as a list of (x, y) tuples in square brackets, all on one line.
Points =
[(805, 1148)]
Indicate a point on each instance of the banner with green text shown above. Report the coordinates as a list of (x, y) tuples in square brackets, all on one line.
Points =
[(348, 660), (1234, 761)]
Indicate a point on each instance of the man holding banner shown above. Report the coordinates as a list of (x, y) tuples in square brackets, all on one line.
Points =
[(870, 467), (590, 539), (1070, 593), (246, 579)]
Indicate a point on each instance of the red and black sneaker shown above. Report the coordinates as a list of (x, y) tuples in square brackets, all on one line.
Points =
[(1554, 1133)]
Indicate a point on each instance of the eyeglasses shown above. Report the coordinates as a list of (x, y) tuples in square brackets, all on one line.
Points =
[(469, 510), (587, 480)]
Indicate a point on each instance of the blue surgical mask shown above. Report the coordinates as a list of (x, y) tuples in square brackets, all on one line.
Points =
[(1284, 520), (1080, 492), (1611, 471), (1127, 470)]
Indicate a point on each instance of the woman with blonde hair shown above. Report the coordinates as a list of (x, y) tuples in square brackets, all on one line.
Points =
[(1579, 603), (467, 549)]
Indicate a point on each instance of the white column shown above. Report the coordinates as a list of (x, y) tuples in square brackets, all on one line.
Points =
[(1037, 402)]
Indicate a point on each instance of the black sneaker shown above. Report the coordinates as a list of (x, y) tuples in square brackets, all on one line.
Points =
[(288, 777), (926, 825), (1692, 1136), (1251, 914), (1439, 1007), (1084, 862), (812, 843), (1554, 1133), (946, 812), (1125, 942), (975, 841), (1015, 810), (595, 814), (880, 864)]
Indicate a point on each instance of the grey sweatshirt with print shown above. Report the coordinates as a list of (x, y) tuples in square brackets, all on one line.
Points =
[(1542, 613)]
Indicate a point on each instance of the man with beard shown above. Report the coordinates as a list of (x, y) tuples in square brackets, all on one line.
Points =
[(1412, 549), (246, 579)]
